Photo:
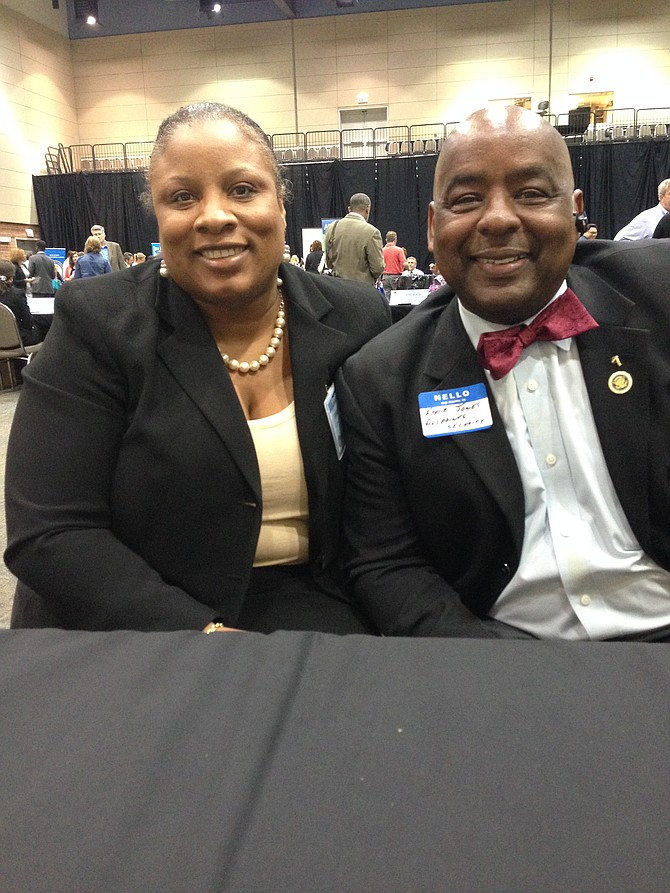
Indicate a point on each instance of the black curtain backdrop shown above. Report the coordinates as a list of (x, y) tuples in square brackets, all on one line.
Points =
[(618, 180)]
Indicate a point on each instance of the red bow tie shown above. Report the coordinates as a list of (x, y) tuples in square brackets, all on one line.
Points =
[(563, 318)]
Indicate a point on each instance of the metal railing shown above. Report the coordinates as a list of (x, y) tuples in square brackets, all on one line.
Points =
[(607, 125)]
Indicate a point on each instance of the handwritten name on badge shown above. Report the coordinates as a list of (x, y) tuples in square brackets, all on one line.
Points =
[(456, 411)]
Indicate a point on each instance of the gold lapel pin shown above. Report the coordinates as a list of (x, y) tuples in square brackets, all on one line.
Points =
[(620, 382)]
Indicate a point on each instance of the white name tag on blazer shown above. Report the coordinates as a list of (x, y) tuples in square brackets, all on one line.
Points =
[(334, 420), (456, 411)]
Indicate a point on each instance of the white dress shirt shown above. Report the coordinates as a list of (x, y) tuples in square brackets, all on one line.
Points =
[(582, 573), (642, 226)]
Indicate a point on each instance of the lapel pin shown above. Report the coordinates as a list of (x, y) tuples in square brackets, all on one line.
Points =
[(620, 382)]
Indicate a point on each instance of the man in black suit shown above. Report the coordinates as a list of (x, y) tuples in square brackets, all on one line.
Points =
[(524, 492), (42, 270)]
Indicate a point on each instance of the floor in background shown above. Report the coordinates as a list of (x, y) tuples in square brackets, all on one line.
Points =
[(7, 581)]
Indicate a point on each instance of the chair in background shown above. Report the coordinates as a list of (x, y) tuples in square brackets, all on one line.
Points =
[(11, 343), (661, 131), (52, 160)]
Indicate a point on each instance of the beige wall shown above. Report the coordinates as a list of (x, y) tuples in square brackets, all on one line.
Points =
[(36, 106), (426, 65)]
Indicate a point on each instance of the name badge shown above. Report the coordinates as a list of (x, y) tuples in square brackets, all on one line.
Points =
[(334, 420), (457, 411)]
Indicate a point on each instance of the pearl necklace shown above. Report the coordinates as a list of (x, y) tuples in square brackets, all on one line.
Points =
[(277, 334)]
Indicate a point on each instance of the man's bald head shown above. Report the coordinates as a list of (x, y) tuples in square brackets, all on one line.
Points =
[(519, 123)]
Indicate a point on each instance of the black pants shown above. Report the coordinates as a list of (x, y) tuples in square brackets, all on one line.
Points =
[(287, 597), (655, 635)]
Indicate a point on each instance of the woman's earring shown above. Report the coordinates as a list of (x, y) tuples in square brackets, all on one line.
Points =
[(163, 271)]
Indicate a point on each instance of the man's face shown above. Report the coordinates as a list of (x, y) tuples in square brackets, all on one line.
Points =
[(665, 200), (501, 225), (411, 264), (99, 233)]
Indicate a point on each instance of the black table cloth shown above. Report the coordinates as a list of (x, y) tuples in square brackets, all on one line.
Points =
[(296, 762)]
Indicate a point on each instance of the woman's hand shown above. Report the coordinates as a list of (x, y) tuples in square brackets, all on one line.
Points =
[(216, 626)]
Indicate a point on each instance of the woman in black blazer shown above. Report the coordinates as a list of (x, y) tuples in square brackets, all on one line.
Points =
[(314, 258), (174, 461), (15, 298)]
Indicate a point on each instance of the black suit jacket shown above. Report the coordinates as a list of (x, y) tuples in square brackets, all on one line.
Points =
[(17, 302), (43, 271), (435, 526), (133, 491)]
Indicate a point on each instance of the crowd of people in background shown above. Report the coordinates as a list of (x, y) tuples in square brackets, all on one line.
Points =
[(24, 277), (358, 244), (353, 254)]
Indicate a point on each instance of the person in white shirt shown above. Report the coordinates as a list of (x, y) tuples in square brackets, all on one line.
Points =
[(522, 492), (643, 225), (411, 268)]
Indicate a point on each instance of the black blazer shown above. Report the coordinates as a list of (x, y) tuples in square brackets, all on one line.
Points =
[(133, 491), (435, 526), (16, 300)]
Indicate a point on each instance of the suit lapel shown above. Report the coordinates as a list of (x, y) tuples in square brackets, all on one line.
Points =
[(452, 363), (317, 350), (190, 354), (622, 419)]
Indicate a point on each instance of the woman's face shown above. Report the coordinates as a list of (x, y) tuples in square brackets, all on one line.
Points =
[(220, 219)]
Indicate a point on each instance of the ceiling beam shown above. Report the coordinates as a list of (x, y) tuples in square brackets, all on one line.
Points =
[(285, 6)]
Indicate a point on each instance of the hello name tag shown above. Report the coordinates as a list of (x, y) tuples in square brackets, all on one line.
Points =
[(456, 411)]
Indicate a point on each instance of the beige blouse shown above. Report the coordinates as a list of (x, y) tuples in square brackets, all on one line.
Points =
[(283, 536)]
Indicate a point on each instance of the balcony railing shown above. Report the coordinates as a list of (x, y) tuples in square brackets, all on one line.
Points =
[(606, 125)]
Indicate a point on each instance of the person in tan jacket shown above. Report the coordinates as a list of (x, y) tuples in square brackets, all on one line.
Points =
[(354, 246)]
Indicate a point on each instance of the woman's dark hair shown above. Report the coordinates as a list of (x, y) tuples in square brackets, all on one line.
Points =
[(213, 111), (6, 276)]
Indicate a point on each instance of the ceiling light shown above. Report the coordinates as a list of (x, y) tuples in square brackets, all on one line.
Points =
[(86, 11), (209, 8)]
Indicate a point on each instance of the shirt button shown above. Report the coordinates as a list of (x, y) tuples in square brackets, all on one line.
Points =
[(585, 600), (551, 459), (532, 385)]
